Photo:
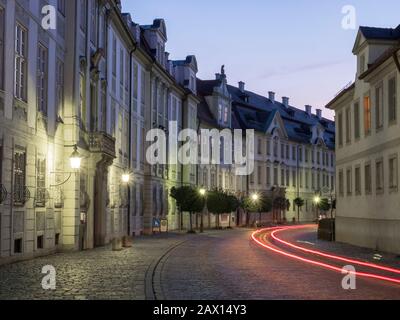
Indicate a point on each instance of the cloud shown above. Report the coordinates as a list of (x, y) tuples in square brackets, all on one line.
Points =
[(289, 70)]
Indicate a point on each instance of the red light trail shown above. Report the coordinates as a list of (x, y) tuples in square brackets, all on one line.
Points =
[(317, 263), (323, 254)]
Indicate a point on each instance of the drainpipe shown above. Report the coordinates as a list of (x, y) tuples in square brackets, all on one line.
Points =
[(130, 137)]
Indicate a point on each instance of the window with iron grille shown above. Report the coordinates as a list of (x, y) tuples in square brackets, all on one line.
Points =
[(19, 177), (40, 198)]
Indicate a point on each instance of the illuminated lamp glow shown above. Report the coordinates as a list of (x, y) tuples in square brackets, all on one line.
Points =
[(126, 177)]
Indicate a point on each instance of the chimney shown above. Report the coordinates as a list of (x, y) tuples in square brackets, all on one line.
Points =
[(241, 86), (308, 109), (271, 96), (217, 76), (285, 101), (319, 114)]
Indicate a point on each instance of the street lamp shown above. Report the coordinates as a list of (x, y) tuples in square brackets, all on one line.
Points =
[(203, 193), (255, 197), (317, 200), (75, 159), (126, 178)]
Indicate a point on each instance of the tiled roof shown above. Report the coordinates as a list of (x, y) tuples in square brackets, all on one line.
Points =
[(253, 111), (381, 33)]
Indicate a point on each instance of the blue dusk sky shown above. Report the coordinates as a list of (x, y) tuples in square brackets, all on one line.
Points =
[(294, 48)]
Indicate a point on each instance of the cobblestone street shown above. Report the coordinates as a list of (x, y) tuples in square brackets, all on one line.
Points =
[(215, 265), (93, 274)]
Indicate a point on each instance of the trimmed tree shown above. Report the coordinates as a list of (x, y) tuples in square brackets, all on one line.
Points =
[(324, 205), (263, 204), (281, 204), (187, 200), (220, 202), (299, 202)]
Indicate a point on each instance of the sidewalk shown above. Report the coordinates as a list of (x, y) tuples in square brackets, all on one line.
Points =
[(308, 239)]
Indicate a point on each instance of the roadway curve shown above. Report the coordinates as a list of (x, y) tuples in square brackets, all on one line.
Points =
[(230, 265), (272, 239)]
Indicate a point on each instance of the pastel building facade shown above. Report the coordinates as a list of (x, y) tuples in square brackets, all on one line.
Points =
[(294, 149), (367, 145)]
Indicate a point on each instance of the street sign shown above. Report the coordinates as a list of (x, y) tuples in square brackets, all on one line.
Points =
[(156, 225)]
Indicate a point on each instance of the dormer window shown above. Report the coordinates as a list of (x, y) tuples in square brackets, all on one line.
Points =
[(226, 114), (220, 112)]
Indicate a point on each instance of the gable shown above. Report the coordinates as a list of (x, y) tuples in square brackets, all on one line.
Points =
[(360, 39), (276, 125)]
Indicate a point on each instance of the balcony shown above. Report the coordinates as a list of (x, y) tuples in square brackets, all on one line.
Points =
[(21, 195), (101, 142)]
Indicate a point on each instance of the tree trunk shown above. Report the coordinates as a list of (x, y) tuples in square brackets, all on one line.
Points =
[(191, 221), (298, 214)]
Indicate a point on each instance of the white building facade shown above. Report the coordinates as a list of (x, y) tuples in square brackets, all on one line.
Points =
[(367, 146), (95, 85)]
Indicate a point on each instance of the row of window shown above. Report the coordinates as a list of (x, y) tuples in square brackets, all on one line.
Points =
[(210, 180), (167, 107), (384, 107), (380, 167), (293, 178), (20, 76), (297, 152)]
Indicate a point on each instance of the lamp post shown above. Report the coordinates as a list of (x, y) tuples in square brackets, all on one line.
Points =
[(126, 180), (255, 197), (203, 193)]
